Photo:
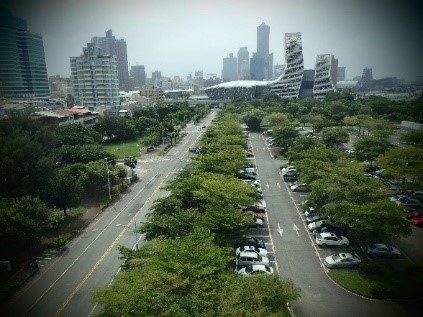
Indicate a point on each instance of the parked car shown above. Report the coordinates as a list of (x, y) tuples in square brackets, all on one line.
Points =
[(288, 168), (417, 221), (330, 239), (327, 227), (382, 250), (250, 258), (260, 216), (254, 269), (300, 188), (414, 213), (309, 211), (249, 241), (342, 260), (317, 224), (292, 178), (256, 208), (406, 201), (312, 218), (251, 248), (256, 223)]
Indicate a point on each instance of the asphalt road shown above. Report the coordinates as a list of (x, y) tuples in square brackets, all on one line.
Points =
[(299, 259), (64, 287)]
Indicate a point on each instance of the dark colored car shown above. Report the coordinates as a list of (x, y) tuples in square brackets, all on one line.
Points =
[(249, 241), (328, 228)]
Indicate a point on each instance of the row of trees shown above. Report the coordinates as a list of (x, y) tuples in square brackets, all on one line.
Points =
[(58, 166), (184, 267)]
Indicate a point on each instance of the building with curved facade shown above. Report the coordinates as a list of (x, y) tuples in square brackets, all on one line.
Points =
[(324, 78), (288, 85)]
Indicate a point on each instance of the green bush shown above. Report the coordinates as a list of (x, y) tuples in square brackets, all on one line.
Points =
[(63, 239), (381, 288)]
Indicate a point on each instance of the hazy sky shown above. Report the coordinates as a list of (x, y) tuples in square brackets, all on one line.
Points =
[(178, 37)]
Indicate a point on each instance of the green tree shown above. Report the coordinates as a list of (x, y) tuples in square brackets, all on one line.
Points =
[(405, 163), (414, 138), (285, 136), (21, 220), (253, 119), (65, 191), (274, 119), (131, 162), (368, 148), (334, 137), (56, 221)]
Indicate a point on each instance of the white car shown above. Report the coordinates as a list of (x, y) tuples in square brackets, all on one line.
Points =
[(260, 251), (316, 224), (340, 260), (250, 270), (288, 168), (383, 250), (329, 239), (250, 258)]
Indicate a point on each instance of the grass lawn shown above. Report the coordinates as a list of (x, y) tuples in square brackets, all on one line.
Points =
[(124, 149), (353, 281), (382, 280)]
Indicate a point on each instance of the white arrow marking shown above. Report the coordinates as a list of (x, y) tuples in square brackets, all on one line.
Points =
[(278, 185), (267, 185), (280, 230), (296, 229)]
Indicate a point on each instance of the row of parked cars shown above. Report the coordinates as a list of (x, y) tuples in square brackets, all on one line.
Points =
[(328, 235), (251, 257)]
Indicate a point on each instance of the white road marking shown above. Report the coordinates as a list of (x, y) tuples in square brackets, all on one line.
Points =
[(296, 229), (279, 185), (280, 230)]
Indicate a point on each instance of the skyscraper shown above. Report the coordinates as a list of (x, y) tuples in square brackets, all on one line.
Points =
[(341, 74), (111, 45), (138, 73), (156, 76), (289, 85), (23, 72), (367, 77), (263, 32), (95, 78), (325, 76), (257, 67), (229, 72), (243, 63)]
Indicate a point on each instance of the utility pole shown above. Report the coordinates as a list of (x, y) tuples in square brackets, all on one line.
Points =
[(108, 178)]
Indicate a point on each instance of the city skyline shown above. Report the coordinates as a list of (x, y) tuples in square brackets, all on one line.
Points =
[(180, 37)]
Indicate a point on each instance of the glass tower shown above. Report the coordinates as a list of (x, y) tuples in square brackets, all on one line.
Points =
[(23, 72)]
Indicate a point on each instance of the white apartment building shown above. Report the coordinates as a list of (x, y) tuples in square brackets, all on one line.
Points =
[(95, 78)]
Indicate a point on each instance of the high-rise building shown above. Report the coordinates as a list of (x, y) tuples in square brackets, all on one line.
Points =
[(138, 73), (95, 78), (307, 83), (324, 78), (111, 45), (289, 85), (23, 71), (263, 32), (367, 77), (257, 67), (341, 74), (229, 68), (156, 76), (243, 63), (198, 74), (278, 70)]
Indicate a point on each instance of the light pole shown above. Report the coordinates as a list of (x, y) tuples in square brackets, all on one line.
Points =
[(108, 178), (136, 248)]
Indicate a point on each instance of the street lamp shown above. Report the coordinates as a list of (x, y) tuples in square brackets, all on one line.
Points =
[(108, 178), (136, 248)]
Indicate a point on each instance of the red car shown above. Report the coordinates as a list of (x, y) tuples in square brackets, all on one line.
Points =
[(414, 213), (417, 220)]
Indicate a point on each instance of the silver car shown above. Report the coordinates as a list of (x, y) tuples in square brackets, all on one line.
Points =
[(342, 260), (383, 250)]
